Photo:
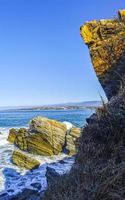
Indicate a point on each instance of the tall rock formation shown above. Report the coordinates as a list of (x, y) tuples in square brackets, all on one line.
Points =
[(106, 42), (99, 169)]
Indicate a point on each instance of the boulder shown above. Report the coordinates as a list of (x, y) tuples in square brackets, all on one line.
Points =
[(21, 139), (36, 144), (12, 135), (25, 161), (45, 137), (51, 132), (105, 39), (71, 140)]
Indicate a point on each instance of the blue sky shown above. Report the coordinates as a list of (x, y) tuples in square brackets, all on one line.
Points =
[(43, 59)]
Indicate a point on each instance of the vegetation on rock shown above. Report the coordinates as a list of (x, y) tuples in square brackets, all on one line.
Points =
[(99, 169)]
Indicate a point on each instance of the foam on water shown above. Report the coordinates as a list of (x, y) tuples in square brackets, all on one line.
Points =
[(14, 179), (68, 125)]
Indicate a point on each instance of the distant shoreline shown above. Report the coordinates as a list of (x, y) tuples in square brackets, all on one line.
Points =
[(51, 109), (65, 106)]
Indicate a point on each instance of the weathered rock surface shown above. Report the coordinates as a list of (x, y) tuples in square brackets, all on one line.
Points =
[(52, 132), (71, 140), (25, 161), (45, 137), (12, 135), (106, 42)]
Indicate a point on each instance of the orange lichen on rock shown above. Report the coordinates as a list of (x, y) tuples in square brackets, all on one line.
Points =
[(106, 41)]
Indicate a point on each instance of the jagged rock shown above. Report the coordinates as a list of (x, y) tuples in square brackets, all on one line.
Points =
[(56, 170), (12, 135), (92, 119), (71, 140), (23, 160), (21, 139), (106, 41), (52, 133), (44, 137)]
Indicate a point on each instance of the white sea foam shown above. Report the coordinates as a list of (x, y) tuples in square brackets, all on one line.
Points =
[(68, 125), (14, 179)]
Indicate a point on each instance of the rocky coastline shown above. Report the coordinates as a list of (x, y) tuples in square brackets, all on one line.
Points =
[(43, 138), (98, 172)]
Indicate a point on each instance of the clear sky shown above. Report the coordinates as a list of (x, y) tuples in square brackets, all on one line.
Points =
[(43, 59)]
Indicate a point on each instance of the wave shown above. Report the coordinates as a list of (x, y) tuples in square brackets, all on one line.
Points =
[(69, 125)]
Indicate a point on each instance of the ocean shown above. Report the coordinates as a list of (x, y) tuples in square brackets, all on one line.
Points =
[(14, 179)]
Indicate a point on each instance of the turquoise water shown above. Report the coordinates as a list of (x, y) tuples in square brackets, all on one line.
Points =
[(21, 118)]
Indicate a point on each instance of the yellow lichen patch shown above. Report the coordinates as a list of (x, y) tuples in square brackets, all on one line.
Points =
[(106, 41), (12, 135), (87, 32), (24, 161), (121, 15)]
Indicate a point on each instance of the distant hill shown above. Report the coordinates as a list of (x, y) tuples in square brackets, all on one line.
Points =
[(83, 104), (61, 106)]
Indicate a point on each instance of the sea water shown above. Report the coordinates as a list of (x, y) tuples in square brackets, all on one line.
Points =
[(12, 178)]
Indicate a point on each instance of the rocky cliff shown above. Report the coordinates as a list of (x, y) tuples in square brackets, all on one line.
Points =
[(99, 169), (106, 42)]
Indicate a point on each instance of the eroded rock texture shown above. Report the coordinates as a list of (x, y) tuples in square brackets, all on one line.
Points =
[(45, 137), (23, 160), (106, 42)]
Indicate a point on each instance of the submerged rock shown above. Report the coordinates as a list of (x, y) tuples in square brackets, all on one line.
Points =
[(105, 39), (25, 161)]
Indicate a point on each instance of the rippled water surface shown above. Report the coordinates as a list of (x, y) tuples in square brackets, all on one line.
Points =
[(18, 118)]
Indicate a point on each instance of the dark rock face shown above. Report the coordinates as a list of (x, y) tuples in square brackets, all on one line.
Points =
[(54, 171), (92, 119), (106, 42), (27, 194)]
